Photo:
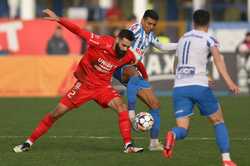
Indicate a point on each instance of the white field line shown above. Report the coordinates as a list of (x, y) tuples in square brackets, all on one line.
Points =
[(112, 138)]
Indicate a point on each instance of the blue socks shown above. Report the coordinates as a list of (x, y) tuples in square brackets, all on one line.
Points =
[(221, 134), (135, 83), (154, 131), (222, 138), (132, 90), (180, 132)]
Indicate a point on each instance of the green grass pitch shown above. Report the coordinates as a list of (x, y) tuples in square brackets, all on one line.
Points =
[(89, 136)]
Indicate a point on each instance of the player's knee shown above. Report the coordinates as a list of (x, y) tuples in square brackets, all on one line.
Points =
[(216, 118), (122, 107), (59, 111), (56, 115)]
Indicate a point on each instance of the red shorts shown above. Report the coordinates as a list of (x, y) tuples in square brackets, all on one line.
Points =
[(81, 93)]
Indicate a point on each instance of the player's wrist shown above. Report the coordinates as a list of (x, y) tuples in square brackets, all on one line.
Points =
[(59, 19)]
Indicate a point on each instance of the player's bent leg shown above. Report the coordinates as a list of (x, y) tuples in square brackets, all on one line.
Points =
[(132, 89), (44, 125), (177, 133), (134, 83), (181, 131), (124, 125), (128, 75), (148, 97), (222, 137)]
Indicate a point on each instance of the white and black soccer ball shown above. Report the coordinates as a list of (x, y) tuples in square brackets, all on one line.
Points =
[(143, 121)]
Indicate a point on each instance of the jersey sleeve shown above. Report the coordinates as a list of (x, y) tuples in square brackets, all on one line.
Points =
[(90, 37), (212, 42)]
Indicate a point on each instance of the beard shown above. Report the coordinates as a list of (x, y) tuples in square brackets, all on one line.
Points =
[(119, 53)]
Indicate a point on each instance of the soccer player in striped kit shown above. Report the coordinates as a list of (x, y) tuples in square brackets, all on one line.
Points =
[(137, 83)]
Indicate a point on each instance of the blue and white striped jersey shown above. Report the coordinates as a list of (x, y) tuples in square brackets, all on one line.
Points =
[(143, 41)]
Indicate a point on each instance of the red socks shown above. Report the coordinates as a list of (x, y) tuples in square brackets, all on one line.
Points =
[(47, 122), (125, 126), (42, 127)]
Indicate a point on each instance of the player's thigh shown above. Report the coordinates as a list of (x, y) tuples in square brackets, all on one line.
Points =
[(182, 102), (207, 102), (109, 97), (149, 98), (77, 95)]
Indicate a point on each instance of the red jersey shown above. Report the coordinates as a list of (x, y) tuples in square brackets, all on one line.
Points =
[(100, 61)]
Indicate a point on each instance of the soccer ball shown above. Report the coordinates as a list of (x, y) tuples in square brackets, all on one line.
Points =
[(143, 121)]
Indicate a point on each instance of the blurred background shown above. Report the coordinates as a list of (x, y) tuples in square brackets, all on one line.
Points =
[(38, 57)]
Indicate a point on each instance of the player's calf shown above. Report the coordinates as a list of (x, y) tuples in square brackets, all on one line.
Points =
[(155, 145)]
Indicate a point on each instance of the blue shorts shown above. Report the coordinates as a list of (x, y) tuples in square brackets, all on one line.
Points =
[(186, 97), (118, 75)]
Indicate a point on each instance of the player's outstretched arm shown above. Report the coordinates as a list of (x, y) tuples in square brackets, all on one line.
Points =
[(221, 67), (211, 82), (169, 47), (50, 15)]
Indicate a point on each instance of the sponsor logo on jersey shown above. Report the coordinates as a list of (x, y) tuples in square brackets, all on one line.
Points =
[(104, 66), (185, 72)]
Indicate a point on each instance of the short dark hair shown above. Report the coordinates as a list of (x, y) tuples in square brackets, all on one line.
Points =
[(125, 33), (201, 17), (151, 14)]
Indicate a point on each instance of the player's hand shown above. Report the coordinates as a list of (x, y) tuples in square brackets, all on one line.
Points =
[(211, 82), (50, 15), (234, 88)]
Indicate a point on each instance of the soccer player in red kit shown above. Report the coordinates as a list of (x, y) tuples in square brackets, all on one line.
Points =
[(103, 56)]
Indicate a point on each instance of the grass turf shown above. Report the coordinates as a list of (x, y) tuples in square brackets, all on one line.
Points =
[(89, 136)]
